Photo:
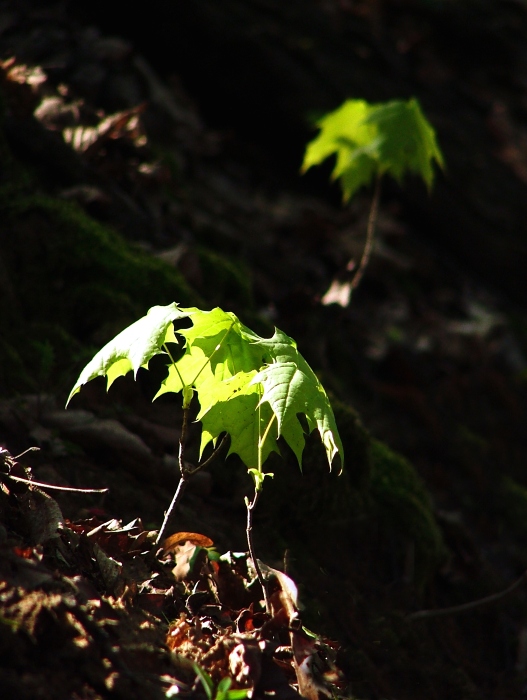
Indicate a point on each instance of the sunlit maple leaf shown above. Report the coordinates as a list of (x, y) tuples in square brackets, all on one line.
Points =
[(370, 140), (245, 422), (292, 388), (251, 388), (134, 347)]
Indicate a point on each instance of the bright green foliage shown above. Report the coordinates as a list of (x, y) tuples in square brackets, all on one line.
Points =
[(223, 691), (370, 140), (132, 348), (250, 387)]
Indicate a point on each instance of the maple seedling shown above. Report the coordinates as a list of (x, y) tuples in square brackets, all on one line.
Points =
[(372, 140), (250, 389)]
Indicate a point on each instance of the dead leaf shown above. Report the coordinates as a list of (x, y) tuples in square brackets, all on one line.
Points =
[(179, 538), (303, 653), (43, 514), (190, 559), (90, 139), (338, 293), (177, 632), (110, 570), (286, 596), (244, 663)]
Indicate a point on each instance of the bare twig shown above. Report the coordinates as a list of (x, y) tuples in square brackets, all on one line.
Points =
[(186, 472), (465, 607), (250, 507), (42, 485), (370, 235), (182, 482), (183, 441), (171, 508), (209, 459), (29, 449)]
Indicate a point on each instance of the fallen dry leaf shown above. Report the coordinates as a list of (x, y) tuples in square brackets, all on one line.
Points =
[(180, 538)]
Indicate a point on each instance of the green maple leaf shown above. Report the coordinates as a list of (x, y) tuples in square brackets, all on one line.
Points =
[(218, 347), (370, 140), (185, 372), (292, 388), (134, 347), (289, 387), (250, 387), (408, 140), (245, 422), (231, 346)]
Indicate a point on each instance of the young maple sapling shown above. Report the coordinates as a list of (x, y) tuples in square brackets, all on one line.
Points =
[(369, 141), (250, 389)]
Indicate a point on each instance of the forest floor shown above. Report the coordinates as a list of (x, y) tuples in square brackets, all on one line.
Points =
[(433, 360)]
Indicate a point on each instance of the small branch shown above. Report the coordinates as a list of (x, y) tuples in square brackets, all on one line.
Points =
[(182, 482), (213, 456), (465, 607), (250, 507), (370, 235), (172, 507), (41, 485), (29, 449), (183, 441)]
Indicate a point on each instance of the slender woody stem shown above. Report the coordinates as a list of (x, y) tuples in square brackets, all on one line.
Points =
[(186, 473), (213, 456), (370, 235), (250, 507), (29, 449), (182, 442), (465, 607), (172, 507), (54, 487), (182, 481)]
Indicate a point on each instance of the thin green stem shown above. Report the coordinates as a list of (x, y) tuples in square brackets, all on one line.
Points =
[(259, 424), (262, 440), (251, 505), (218, 346), (175, 365), (370, 235)]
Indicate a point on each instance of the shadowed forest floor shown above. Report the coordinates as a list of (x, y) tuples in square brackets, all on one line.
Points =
[(130, 179)]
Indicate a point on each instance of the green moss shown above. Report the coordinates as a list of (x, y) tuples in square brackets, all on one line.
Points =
[(226, 282), (63, 269), (377, 502), (405, 508)]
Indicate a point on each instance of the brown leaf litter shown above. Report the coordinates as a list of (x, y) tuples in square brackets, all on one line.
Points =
[(95, 596)]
